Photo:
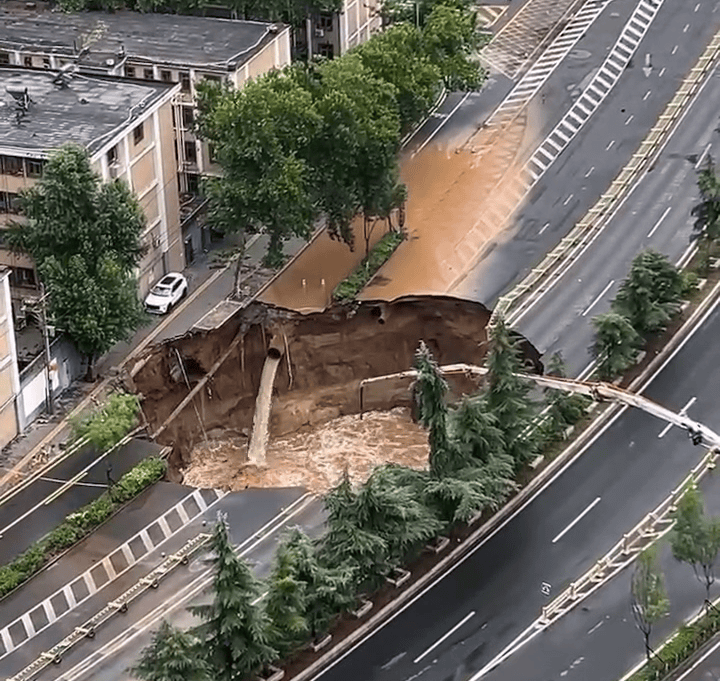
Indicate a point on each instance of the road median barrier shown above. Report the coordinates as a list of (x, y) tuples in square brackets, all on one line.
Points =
[(556, 262)]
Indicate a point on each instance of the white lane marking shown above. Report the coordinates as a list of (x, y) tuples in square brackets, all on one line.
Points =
[(597, 300), (662, 70), (589, 172), (445, 636), (682, 412), (647, 94), (630, 118), (697, 7), (544, 227), (659, 222), (590, 507), (567, 200), (702, 156), (687, 26), (519, 509), (445, 120), (674, 49), (596, 627), (609, 146)]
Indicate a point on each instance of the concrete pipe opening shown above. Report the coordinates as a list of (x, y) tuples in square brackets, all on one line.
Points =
[(274, 353)]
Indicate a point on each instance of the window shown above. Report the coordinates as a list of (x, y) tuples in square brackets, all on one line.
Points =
[(188, 117), (4, 58), (148, 74), (193, 183), (34, 167), (11, 165), (22, 276), (166, 76), (27, 61), (213, 79), (190, 152), (9, 202), (326, 50), (46, 62), (130, 71), (112, 156), (185, 82), (138, 133), (325, 21)]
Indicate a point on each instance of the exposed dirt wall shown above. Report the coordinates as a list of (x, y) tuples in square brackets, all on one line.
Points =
[(326, 356)]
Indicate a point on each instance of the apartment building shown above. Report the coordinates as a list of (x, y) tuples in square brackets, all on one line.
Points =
[(331, 34), (9, 376), (154, 48), (126, 126)]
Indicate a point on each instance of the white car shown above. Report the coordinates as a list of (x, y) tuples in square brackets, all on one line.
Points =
[(170, 290)]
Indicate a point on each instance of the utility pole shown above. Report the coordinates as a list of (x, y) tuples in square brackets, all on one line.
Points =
[(39, 307)]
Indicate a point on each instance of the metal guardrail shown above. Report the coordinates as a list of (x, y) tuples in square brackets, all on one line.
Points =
[(120, 604), (649, 529), (550, 268)]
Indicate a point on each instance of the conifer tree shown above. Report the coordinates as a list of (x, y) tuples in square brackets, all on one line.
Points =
[(234, 635), (616, 344), (564, 408), (172, 656), (508, 395)]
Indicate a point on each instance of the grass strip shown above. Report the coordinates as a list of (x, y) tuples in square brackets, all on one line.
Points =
[(79, 524), (347, 290)]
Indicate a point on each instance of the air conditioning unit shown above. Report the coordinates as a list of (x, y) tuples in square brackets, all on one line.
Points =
[(114, 170), (319, 33)]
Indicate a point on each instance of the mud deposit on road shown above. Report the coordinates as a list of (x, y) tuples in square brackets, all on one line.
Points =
[(313, 457), (324, 358)]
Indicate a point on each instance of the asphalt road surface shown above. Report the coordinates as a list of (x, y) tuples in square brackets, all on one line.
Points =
[(503, 581), (656, 215), (31, 513), (585, 169)]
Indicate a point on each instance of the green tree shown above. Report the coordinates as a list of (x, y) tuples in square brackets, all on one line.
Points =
[(328, 589), (616, 344), (259, 135), (84, 236), (398, 57), (695, 539), (508, 395), (564, 408), (172, 656), (234, 636), (451, 40), (650, 295), (707, 211), (647, 593), (354, 155)]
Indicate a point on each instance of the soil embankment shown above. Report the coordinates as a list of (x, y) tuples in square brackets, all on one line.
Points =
[(326, 355)]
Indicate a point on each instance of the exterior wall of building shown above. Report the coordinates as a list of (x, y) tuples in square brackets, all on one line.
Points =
[(9, 377), (333, 35)]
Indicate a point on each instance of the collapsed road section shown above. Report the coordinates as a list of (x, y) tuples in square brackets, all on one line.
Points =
[(217, 397)]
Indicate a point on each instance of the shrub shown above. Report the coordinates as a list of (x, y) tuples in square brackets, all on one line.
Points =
[(137, 479), (63, 536), (106, 426)]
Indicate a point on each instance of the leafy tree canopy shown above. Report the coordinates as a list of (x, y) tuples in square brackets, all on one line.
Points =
[(648, 596)]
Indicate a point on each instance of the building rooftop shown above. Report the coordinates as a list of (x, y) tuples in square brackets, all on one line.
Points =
[(159, 38), (41, 110)]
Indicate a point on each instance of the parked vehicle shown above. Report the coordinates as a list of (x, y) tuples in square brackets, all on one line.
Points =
[(167, 293)]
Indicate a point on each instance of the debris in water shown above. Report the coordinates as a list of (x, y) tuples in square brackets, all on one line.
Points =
[(314, 458)]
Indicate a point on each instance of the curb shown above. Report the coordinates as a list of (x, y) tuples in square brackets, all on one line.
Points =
[(532, 489)]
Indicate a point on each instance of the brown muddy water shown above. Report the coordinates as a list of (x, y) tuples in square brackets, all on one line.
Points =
[(313, 457)]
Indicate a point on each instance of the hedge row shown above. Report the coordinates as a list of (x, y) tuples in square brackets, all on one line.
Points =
[(79, 524), (680, 647), (347, 289)]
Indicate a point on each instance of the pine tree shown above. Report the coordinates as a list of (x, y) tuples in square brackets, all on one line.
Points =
[(234, 635), (650, 294), (474, 431), (616, 344), (508, 395), (707, 211), (564, 408), (172, 656)]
